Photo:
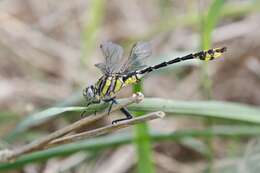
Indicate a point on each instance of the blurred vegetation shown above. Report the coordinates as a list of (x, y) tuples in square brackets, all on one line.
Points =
[(143, 141), (93, 24), (208, 23), (48, 49)]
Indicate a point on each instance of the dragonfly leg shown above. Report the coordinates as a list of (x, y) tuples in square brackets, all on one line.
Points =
[(82, 115), (127, 113), (111, 104), (110, 107), (124, 111)]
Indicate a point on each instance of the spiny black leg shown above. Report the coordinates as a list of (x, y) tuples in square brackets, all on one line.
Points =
[(82, 115), (124, 111), (127, 113), (110, 106)]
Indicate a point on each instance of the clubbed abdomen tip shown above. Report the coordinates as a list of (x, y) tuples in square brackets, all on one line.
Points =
[(221, 50), (211, 54)]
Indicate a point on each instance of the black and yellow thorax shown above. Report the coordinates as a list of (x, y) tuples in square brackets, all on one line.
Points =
[(108, 85)]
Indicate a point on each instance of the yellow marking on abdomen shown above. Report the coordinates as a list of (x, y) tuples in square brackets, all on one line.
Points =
[(213, 53), (131, 80)]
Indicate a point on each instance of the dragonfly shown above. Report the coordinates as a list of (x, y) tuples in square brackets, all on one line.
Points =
[(119, 72)]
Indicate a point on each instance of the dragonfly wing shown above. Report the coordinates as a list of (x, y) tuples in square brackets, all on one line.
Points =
[(140, 51), (101, 67), (113, 54)]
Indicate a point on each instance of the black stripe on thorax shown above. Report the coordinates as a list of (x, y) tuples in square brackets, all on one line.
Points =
[(102, 83), (98, 85)]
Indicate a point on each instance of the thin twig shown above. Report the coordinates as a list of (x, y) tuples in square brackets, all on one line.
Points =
[(106, 129), (7, 155)]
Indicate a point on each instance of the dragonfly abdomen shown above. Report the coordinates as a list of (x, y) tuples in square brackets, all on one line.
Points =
[(202, 55)]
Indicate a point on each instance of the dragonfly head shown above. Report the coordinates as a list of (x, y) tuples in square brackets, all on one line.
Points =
[(90, 95)]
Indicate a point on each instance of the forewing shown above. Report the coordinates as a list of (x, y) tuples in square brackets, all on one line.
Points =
[(139, 52), (113, 54), (101, 67)]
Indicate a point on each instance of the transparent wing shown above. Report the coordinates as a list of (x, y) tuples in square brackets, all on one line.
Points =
[(102, 67), (139, 52), (113, 54)]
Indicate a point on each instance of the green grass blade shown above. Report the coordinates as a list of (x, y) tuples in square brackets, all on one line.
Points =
[(208, 24), (210, 21), (48, 114), (143, 141), (144, 148), (214, 109), (207, 109), (120, 139)]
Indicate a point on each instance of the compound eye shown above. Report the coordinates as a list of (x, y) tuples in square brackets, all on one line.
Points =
[(90, 92)]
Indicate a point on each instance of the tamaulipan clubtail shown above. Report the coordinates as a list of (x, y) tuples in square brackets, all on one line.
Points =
[(119, 72)]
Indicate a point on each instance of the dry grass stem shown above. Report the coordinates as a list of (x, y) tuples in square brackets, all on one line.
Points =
[(107, 129), (7, 155)]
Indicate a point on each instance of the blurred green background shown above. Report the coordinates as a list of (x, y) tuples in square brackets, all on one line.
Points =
[(47, 54)]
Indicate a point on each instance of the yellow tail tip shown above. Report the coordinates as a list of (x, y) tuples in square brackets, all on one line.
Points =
[(214, 53), (221, 50)]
